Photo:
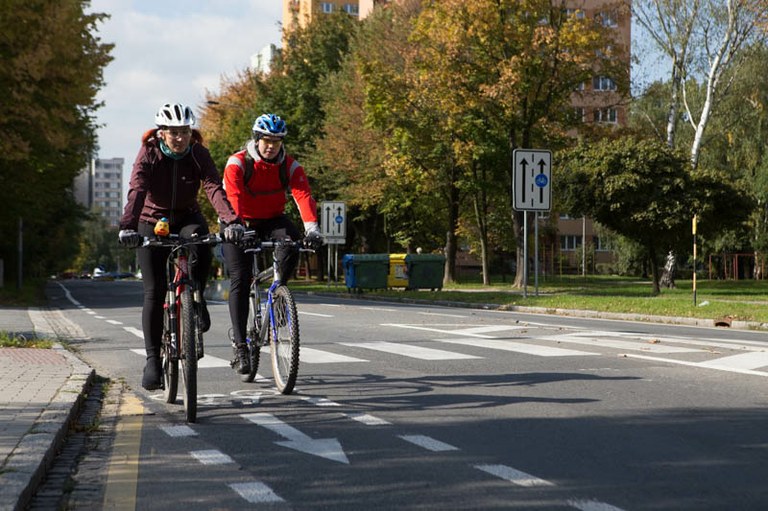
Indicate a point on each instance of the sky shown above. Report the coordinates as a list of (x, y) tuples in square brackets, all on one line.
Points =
[(172, 51)]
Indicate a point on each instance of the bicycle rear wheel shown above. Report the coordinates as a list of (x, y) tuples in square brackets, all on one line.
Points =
[(254, 329), (169, 361), (188, 354), (284, 339)]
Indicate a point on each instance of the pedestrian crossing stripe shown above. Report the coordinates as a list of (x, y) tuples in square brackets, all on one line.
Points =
[(408, 350)]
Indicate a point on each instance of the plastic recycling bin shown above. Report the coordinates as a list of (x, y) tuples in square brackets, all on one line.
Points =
[(365, 271), (425, 271), (398, 275)]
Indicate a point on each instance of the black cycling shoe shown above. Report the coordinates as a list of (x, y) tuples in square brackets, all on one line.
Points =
[(242, 359), (205, 318), (152, 374)]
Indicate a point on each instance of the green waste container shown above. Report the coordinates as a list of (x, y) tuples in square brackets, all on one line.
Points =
[(366, 271), (425, 271), (398, 275)]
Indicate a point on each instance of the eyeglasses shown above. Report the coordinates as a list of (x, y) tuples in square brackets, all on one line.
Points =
[(271, 141), (178, 133)]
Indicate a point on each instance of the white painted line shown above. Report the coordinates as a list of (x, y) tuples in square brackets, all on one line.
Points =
[(409, 351), (369, 420), (302, 313), (209, 361), (518, 347), (313, 356), (442, 314), (487, 329), (100, 317), (513, 475), (89, 311), (740, 361), (320, 401), (378, 309), (135, 331), (697, 364), (256, 492), (602, 342), (211, 457), (178, 431), (592, 505), (437, 330), (114, 322), (428, 443)]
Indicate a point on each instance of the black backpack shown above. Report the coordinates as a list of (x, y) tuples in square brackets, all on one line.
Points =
[(248, 172)]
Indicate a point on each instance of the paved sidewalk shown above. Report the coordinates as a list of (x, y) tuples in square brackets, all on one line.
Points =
[(40, 392)]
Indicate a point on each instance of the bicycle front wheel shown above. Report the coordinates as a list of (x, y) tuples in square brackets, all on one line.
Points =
[(254, 330), (188, 357), (284, 339), (170, 359)]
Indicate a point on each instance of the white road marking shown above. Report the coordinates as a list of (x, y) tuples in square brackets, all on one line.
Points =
[(591, 340), (320, 401), (211, 457), (518, 347), (369, 420), (328, 448), (378, 309), (135, 331), (256, 492), (114, 322), (314, 356), (428, 443), (442, 314), (592, 505), (709, 365), (513, 475), (409, 351), (302, 313), (207, 362), (438, 330), (178, 431), (741, 361)]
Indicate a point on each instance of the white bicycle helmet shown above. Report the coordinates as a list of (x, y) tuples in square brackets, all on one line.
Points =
[(174, 114)]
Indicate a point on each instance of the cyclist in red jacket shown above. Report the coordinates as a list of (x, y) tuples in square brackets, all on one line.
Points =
[(169, 169), (257, 181)]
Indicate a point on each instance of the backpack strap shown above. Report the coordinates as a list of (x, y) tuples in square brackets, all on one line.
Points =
[(248, 173)]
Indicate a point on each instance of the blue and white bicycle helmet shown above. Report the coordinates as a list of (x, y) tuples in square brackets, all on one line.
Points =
[(174, 115), (270, 125)]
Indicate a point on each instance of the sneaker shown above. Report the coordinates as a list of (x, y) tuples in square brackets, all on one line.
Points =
[(243, 359), (205, 319), (152, 374)]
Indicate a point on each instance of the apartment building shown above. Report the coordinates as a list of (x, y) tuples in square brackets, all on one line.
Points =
[(99, 188)]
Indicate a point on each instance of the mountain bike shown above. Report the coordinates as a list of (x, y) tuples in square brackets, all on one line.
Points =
[(273, 320), (182, 341)]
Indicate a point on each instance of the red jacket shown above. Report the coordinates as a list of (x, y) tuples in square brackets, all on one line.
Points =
[(264, 196), (161, 186)]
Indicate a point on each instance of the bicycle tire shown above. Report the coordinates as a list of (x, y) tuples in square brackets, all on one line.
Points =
[(254, 330), (284, 339), (188, 354), (169, 362)]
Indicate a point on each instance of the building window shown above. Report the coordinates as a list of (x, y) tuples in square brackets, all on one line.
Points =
[(351, 9), (326, 7), (603, 83), (602, 245), (575, 13), (608, 19), (605, 115), (570, 242), (579, 115)]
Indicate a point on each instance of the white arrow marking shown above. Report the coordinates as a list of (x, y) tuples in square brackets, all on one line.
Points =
[(328, 448)]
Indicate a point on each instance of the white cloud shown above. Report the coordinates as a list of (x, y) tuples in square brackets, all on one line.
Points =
[(174, 50)]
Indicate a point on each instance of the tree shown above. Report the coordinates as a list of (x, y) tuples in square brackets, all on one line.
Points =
[(51, 65), (645, 191)]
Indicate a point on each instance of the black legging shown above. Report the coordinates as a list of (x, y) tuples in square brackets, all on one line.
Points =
[(152, 262), (240, 269)]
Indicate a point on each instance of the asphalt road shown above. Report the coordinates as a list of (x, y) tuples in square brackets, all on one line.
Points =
[(423, 407)]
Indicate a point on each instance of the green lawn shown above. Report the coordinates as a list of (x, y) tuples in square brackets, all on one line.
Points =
[(745, 300)]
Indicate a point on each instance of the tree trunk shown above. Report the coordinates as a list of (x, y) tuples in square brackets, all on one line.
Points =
[(654, 270), (450, 242)]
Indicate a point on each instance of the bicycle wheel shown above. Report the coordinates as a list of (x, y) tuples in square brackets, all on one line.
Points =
[(188, 354), (169, 361), (284, 339), (254, 329)]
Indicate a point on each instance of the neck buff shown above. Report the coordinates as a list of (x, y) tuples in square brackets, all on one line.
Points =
[(176, 156)]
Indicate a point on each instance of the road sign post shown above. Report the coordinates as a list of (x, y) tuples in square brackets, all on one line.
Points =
[(333, 227), (532, 191)]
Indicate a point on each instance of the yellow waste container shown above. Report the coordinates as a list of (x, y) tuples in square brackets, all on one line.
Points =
[(398, 276)]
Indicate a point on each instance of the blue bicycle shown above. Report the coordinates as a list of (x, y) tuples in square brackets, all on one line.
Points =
[(273, 320)]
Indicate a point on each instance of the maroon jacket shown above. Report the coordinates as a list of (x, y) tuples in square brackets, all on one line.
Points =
[(161, 186)]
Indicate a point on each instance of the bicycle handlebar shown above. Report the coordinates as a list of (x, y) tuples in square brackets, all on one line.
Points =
[(174, 240), (251, 241)]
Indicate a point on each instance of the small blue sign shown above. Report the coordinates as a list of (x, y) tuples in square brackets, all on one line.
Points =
[(541, 180), (339, 219)]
